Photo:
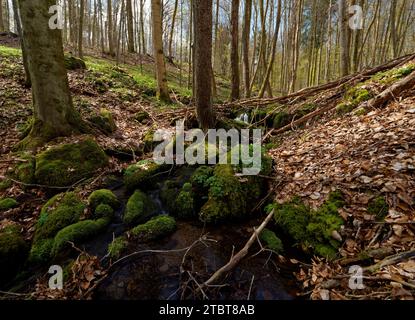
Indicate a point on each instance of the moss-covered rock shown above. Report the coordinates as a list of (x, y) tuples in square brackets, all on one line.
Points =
[(103, 196), (168, 194), (142, 116), (378, 207), (58, 213), (104, 121), (271, 240), (67, 164), (141, 174), (117, 247), (8, 203), (155, 228), (25, 171), (13, 252), (77, 233), (313, 230), (103, 211), (139, 208), (73, 63), (184, 204), (41, 251)]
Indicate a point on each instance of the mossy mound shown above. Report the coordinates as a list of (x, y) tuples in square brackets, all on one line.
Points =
[(271, 241), (25, 171), (379, 208), (184, 204), (67, 164), (281, 119), (168, 194), (103, 196), (58, 213), (13, 252), (142, 116), (353, 98), (8, 203), (139, 208), (313, 230), (73, 63), (226, 197), (117, 247), (104, 121), (103, 211), (41, 251), (5, 184), (141, 174), (77, 233), (155, 228), (393, 75)]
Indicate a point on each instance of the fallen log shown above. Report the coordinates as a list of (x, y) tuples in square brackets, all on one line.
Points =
[(395, 259)]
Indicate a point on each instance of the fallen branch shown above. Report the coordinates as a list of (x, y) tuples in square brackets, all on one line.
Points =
[(397, 258)]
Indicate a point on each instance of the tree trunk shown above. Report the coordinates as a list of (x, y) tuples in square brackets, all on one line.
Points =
[(173, 22), (53, 110), (202, 19), (130, 28), (162, 88), (393, 28), (344, 38), (246, 42), (235, 80), (81, 27), (110, 28), (1, 16)]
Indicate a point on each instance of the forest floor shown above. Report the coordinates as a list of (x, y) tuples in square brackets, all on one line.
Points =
[(368, 154)]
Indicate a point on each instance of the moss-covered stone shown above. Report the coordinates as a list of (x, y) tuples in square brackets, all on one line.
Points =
[(271, 241), (77, 233), (13, 252), (25, 171), (104, 121), (103, 211), (184, 204), (311, 229), (58, 213), (8, 203), (67, 164), (139, 208), (41, 251), (379, 208), (141, 174), (117, 247), (103, 196), (168, 194), (155, 228), (142, 116), (73, 63)]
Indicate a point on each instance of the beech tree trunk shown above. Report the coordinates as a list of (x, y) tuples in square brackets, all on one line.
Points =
[(235, 79), (53, 110), (130, 28), (344, 38), (202, 19), (1, 16), (110, 28)]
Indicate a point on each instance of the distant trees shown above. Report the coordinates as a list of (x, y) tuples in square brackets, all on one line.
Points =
[(54, 114)]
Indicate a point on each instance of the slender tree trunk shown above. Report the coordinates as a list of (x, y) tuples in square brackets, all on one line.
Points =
[(53, 110), (162, 88), (245, 45), (393, 28), (110, 28), (81, 28), (1, 16), (202, 19), (173, 23), (235, 78), (143, 36), (344, 38), (130, 28)]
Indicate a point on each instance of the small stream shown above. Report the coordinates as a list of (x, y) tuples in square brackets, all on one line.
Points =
[(158, 275)]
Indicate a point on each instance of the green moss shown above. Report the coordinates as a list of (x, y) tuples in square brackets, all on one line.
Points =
[(184, 204), (360, 112), (5, 184), (104, 121), (139, 207), (117, 247), (393, 75), (281, 119), (313, 230), (77, 233), (271, 240), (155, 228), (67, 164), (141, 174), (103, 196), (379, 208), (344, 108), (200, 178), (8, 203), (103, 211), (59, 212), (13, 252), (73, 63), (25, 171), (41, 251), (168, 194)]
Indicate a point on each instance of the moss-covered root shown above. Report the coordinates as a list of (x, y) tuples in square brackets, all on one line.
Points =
[(140, 175), (67, 164), (13, 251), (139, 208), (157, 227)]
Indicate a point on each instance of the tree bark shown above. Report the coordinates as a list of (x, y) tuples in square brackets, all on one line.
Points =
[(130, 28), (1, 16), (53, 110), (173, 22), (344, 38), (235, 79), (162, 88), (245, 45), (81, 28), (202, 19), (110, 28)]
